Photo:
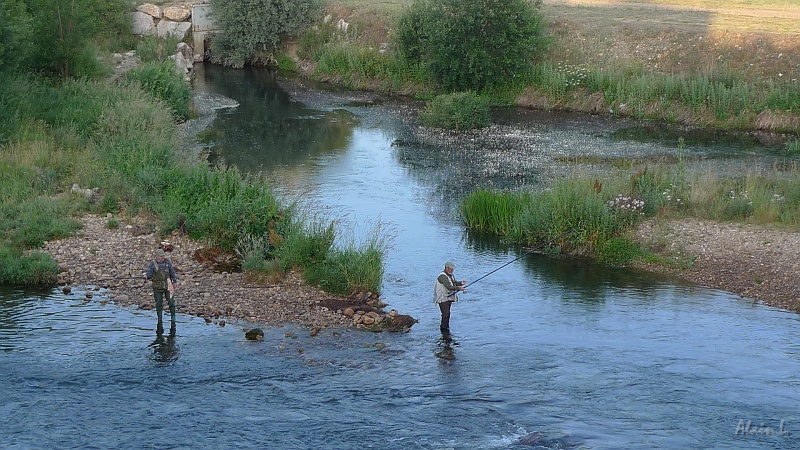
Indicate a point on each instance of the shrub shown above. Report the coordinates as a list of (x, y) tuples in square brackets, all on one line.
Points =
[(15, 34), (63, 31), (474, 45), (459, 111), (253, 26), (31, 269)]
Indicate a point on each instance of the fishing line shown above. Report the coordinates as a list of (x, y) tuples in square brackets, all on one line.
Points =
[(538, 247)]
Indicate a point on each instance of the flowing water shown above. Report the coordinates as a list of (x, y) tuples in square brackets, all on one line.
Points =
[(545, 353)]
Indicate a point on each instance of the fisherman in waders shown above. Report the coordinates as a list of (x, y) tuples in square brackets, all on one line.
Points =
[(161, 273), (444, 286)]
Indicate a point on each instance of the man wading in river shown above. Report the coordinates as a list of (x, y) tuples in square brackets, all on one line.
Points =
[(162, 274), (444, 294)]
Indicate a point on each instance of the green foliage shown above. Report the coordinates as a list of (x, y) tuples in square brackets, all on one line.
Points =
[(15, 34), (220, 206), (63, 31), (618, 251), (472, 45), (793, 147), (458, 111), (38, 220), (26, 269), (307, 245), (493, 211), (352, 268), (253, 26), (571, 213), (155, 49), (162, 81)]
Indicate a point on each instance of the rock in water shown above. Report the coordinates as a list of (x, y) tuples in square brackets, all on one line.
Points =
[(255, 334)]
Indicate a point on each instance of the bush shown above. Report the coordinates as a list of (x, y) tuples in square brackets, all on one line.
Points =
[(459, 111), (253, 26), (32, 269), (15, 34), (63, 32), (472, 45)]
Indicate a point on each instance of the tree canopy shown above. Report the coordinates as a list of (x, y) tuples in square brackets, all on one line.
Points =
[(472, 44)]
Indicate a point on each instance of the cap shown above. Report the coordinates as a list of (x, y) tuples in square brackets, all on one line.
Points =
[(160, 252), (449, 265)]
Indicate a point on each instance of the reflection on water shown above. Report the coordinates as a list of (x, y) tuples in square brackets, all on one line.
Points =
[(165, 350), (268, 128)]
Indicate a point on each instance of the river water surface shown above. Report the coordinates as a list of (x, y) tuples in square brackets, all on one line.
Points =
[(546, 353)]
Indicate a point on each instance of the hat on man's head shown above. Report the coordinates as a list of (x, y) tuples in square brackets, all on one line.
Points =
[(160, 252), (449, 265)]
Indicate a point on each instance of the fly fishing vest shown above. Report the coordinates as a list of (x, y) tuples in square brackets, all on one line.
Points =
[(441, 292), (160, 276)]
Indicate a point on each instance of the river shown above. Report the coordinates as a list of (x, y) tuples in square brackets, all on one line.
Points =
[(545, 353)]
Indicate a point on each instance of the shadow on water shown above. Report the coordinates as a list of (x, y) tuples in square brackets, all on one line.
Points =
[(445, 347)]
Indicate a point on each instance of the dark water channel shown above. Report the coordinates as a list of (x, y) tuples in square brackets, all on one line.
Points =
[(547, 354)]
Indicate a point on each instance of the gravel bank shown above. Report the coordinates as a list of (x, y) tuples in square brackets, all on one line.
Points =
[(757, 262), (108, 264), (752, 261)]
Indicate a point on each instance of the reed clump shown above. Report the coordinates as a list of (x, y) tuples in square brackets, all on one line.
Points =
[(592, 216)]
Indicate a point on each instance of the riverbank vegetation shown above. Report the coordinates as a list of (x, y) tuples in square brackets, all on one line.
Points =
[(735, 67), (592, 216), (73, 140)]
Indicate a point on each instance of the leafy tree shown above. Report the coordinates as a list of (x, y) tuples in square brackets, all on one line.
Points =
[(472, 44), (253, 27), (64, 29)]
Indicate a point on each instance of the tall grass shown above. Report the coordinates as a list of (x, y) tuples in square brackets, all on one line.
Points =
[(353, 267), (650, 95), (590, 215), (162, 81), (457, 111)]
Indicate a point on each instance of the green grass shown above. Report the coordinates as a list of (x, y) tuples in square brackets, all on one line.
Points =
[(121, 141), (591, 215)]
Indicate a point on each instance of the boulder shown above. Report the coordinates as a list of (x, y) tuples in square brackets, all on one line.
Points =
[(176, 13), (167, 28), (151, 10), (142, 24), (254, 334)]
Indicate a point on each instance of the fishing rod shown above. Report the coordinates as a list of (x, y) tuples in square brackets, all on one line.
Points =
[(538, 247), (140, 277)]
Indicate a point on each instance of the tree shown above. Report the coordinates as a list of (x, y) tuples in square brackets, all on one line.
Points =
[(472, 44), (253, 26), (64, 29)]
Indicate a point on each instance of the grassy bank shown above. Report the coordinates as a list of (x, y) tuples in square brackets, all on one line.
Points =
[(731, 65), (69, 146), (591, 215)]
